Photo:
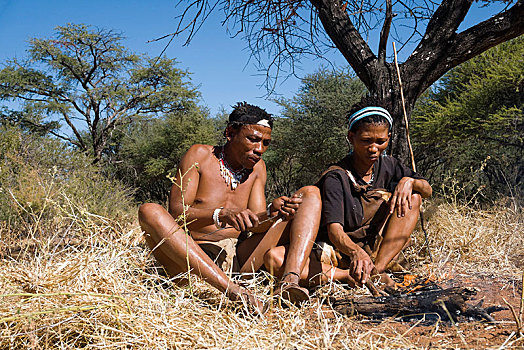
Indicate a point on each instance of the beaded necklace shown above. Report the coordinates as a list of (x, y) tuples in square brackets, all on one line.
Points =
[(372, 177), (232, 178), (362, 177)]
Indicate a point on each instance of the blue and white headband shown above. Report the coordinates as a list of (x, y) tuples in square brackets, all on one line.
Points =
[(369, 111)]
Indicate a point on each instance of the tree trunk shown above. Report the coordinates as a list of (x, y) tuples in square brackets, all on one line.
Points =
[(441, 48), (385, 92)]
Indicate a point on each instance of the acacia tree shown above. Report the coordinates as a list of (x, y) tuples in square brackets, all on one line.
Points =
[(310, 135), (83, 84), (279, 32)]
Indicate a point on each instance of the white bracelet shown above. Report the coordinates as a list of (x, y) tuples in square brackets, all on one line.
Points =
[(268, 211), (215, 217)]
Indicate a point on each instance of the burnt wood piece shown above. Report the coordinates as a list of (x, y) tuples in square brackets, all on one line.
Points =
[(418, 303)]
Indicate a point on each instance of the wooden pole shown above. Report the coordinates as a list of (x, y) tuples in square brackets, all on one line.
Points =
[(413, 165), (404, 110)]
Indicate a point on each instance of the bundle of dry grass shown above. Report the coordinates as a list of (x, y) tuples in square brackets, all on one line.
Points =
[(85, 281), (486, 241)]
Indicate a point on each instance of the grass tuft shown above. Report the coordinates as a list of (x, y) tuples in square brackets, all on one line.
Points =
[(80, 280)]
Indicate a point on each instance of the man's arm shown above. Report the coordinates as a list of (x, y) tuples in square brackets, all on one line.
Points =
[(184, 190), (256, 206), (281, 207)]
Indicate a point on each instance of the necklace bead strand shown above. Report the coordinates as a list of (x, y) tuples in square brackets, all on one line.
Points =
[(231, 177)]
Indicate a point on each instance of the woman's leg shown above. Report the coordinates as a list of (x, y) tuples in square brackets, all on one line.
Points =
[(396, 234)]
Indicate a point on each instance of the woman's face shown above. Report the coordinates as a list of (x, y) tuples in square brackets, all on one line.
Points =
[(369, 141)]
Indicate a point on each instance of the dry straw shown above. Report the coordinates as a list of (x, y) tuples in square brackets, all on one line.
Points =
[(86, 281)]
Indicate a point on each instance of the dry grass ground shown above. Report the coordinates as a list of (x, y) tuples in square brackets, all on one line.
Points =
[(84, 281)]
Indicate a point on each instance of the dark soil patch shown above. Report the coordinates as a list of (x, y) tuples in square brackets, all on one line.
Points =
[(431, 331)]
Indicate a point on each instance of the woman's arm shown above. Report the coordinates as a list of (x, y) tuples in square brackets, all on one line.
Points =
[(401, 198), (361, 265)]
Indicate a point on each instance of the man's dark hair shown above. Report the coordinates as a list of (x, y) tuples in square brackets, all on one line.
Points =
[(244, 113)]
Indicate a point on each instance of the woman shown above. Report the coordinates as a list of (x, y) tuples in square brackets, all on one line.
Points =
[(364, 194)]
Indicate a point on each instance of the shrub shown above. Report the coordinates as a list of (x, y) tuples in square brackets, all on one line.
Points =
[(40, 177)]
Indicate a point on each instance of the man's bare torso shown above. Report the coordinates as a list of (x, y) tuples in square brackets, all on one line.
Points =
[(213, 192)]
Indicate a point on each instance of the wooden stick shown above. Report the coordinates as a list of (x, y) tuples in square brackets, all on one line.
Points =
[(413, 165), (517, 322), (521, 303), (404, 110)]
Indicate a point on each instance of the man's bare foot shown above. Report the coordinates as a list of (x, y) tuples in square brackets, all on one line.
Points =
[(252, 304)]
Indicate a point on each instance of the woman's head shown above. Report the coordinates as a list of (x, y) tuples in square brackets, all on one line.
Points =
[(369, 115), (369, 133)]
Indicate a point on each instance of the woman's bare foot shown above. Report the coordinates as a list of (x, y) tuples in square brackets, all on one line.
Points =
[(384, 279)]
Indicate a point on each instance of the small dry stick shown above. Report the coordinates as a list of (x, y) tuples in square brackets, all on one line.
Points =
[(521, 303), (96, 295), (413, 165), (270, 218), (517, 321), (183, 218), (453, 323)]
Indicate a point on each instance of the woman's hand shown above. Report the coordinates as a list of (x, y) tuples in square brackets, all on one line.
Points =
[(401, 198), (361, 265)]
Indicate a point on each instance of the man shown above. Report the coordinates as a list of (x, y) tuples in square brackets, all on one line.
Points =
[(222, 189)]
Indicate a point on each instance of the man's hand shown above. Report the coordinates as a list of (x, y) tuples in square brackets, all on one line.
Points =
[(285, 207), (401, 198), (241, 220), (361, 265)]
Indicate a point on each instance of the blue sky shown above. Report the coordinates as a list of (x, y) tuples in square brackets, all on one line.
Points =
[(219, 65)]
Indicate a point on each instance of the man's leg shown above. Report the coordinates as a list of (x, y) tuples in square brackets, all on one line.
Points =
[(302, 233), (396, 234), (299, 233), (174, 249)]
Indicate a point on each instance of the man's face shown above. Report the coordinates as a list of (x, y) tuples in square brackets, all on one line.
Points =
[(248, 143)]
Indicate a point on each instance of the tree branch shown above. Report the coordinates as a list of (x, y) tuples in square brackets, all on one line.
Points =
[(347, 39), (384, 33), (475, 40), (448, 49), (75, 131)]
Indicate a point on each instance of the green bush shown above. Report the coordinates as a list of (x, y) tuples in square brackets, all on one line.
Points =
[(41, 179), (469, 128), (310, 135), (152, 148)]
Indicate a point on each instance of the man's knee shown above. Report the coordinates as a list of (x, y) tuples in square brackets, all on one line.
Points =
[(274, 258), (148, 212), (309, 191), (148, 209), (311, 197)]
